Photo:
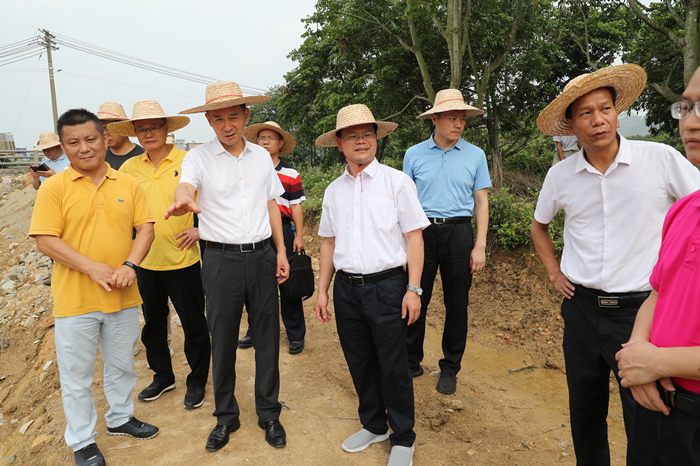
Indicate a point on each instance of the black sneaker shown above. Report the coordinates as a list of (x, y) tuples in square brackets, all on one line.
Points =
[(194, 397), (416, 370), (89, 456), (447, 384), (134, 428), (154, 391)]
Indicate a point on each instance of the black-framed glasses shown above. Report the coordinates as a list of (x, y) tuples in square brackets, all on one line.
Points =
[(152, 129), (681, 110), (267, 138), (353, 138)]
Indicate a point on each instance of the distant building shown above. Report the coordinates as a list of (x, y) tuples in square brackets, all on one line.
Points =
[(192, 145), (180, 144), (7, 142)]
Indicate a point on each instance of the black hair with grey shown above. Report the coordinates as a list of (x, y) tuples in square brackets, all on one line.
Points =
[(75, 117)]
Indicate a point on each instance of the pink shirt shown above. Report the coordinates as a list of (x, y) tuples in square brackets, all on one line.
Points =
[(676, 277)]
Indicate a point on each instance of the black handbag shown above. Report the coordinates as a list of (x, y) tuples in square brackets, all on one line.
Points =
[(300, 284)]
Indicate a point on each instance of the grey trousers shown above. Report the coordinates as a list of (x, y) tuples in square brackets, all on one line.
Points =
[(231, 280)]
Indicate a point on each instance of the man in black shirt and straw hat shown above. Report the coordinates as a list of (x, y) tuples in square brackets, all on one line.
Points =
[(236, 187)]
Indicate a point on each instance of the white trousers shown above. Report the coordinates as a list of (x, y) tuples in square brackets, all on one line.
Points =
[(76, 349)]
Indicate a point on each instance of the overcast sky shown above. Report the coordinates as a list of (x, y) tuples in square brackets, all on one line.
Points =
[(234, 40)]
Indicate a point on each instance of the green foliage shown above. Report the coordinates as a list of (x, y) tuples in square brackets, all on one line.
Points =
[(315, 180), (534, 159), (673, 139)]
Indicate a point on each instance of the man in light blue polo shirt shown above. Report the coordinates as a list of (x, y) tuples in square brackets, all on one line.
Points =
[(54, 158), (452, 178)]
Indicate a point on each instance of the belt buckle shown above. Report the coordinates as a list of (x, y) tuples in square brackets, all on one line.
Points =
[(435, 221), (671, 398), (361, 278), (609, 302), (240, 247)]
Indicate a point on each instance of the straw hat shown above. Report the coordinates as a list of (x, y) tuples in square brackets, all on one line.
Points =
[(450, 99), (223, 94), (251, 134), (627, 80), (146, 110), (353, 115), (111, 111), (47, 139)]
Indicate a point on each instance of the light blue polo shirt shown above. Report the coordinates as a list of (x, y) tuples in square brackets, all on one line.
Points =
[(446, 179), (58, 165)]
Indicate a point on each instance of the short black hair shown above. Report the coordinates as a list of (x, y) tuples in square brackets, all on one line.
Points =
[(75, 117), (613, 94), (339, 133), (243, 107)]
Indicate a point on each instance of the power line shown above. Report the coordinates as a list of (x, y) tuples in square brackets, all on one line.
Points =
[(14, 60), (121, 83)]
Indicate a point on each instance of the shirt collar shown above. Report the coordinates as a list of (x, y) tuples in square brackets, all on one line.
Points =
[(75, 175), (370, 170), (219, 149), (171, 155), (433, 145), (624, 155)]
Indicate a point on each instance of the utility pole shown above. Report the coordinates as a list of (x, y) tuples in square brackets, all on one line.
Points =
[(50, 45)]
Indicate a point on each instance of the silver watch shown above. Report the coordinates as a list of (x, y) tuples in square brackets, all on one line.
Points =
[(416, 289)]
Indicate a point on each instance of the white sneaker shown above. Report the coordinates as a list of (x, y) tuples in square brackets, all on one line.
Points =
[(362, 439), (136, 350), (401, 456)]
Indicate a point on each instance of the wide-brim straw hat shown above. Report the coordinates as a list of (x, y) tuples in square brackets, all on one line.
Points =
[(450, 99), (47, 139), (353, 115), (251, 134), (146, 110), (224, 94), (111, 111), (627, 80)]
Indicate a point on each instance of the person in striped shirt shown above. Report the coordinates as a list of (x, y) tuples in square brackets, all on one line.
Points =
[(278, 143)]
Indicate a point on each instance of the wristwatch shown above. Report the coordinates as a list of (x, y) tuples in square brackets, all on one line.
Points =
[(416, 289), (131, 265)]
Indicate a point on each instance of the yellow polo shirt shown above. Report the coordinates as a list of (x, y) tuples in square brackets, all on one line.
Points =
[(159, 184), (97, 221)]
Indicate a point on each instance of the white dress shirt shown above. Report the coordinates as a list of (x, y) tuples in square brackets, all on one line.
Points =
[(612, 231), (232, 192), (368, 216)]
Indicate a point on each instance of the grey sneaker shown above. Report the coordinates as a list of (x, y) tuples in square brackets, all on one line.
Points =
[(362, 439), (401, 456)]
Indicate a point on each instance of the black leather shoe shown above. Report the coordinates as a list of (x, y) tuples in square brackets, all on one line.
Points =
[(447, 384), (274, 433), (219, 436), (245, 342), (296, 347), (194, 398), (416, 371)]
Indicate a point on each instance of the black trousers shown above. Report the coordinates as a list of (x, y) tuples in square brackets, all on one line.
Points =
[(184, 287), (661, 440), (292, 310), (231, 280), (449, 247), (592, 336), (373, 337)]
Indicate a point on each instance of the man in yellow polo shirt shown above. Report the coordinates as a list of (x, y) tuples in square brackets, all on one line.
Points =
[(83, 219), (171, 268)]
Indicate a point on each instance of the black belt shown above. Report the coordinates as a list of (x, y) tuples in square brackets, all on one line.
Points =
[(611, 300), (681, 399), (441, 221), (247, 247), (360, 280)]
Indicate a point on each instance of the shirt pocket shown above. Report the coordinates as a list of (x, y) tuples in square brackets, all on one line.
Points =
[(382, 213)]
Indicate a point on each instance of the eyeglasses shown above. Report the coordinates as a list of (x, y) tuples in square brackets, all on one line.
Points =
[(353, 138), (681, 110), (268, 138), (152, 129)]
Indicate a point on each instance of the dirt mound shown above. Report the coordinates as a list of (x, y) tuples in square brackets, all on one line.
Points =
[(510, 406)]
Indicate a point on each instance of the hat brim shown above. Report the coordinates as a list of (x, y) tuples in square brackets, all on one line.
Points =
[(126, 128), (47, 145), (251, 133), (471, 111), (384, 128), (225, 103), (628, 81)]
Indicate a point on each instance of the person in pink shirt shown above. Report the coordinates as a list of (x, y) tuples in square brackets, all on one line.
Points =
[(661, 361)]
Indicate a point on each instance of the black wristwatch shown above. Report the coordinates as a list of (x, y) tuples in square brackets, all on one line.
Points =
[(132, 265)]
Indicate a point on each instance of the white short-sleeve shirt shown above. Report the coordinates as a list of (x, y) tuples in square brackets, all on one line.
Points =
[(232, 192), (368, 216), (612, 230)]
